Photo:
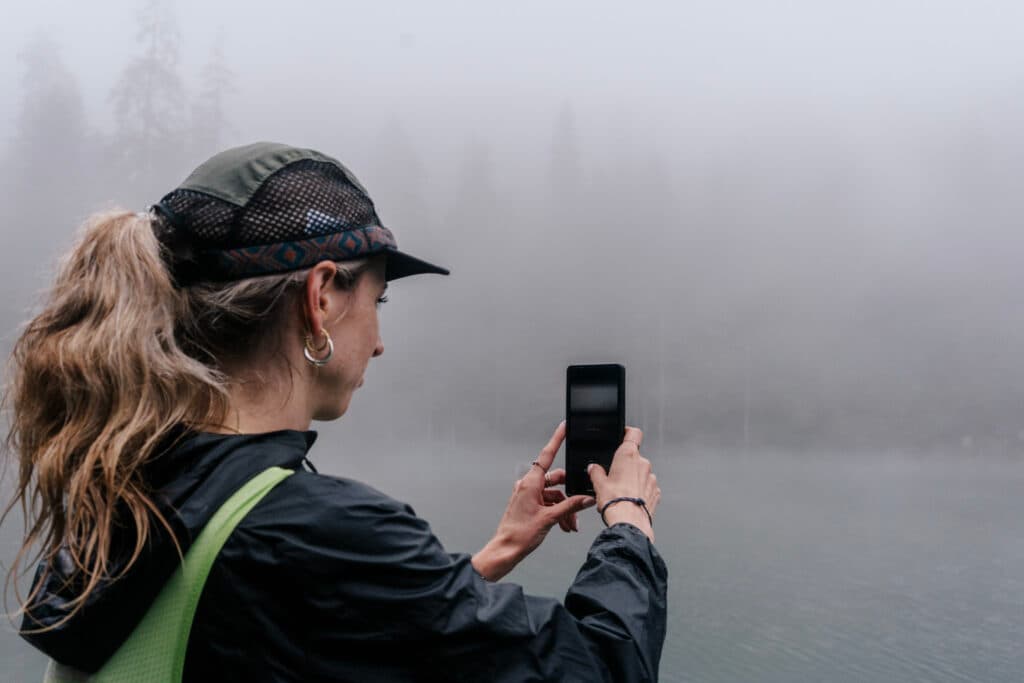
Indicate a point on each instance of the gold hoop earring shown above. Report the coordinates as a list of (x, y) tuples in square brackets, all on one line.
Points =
[(308, 350)]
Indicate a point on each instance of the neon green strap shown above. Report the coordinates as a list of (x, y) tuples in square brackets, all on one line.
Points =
[(155, 650)]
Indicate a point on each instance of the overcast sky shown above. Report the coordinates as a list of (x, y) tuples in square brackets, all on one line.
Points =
[(829, 185), (498, 63)]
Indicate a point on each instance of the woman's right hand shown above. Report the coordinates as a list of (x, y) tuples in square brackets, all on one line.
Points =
[(630, 476)]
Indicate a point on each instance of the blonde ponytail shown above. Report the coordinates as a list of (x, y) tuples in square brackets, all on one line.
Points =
[(96, 381)]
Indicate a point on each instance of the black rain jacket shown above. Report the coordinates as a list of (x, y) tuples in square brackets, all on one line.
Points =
[(327, 579)]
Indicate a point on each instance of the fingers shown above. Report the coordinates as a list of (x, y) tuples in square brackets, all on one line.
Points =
[(597, 475), (635, 435), (570, 506), (551, 479), (552, 496), (565, 522), (555, 478), (655, 493), (547, 454), (631, 442)]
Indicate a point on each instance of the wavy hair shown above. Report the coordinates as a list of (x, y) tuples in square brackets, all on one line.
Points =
[(116, 361)]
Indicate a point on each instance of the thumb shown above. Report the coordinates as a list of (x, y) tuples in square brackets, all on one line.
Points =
[(570, 506), (597, 475)]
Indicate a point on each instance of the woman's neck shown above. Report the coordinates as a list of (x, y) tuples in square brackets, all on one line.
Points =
[(268, 408)]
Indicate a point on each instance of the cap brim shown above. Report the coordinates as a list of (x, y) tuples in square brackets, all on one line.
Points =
[(400, 264)]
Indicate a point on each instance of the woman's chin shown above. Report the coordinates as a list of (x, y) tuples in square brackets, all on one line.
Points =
[(333, 412)]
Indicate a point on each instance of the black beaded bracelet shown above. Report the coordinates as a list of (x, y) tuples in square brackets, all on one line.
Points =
[(639, 501)]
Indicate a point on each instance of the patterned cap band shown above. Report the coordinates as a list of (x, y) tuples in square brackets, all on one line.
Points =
[(233, 264)]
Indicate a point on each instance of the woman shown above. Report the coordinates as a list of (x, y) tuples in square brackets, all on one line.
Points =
[(185, 350)]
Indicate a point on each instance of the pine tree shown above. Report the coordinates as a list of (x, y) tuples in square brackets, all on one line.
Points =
[(149, 106), (51, 120), (45, 170), (475, 196), (209, 123)]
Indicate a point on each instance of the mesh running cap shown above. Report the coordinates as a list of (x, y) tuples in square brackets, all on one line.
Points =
[(269, 208)]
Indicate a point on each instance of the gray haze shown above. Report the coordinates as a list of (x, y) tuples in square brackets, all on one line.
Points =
[(796, 226), (796, 223)]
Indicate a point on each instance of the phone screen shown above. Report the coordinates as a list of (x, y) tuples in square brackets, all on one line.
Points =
[(595, 421)]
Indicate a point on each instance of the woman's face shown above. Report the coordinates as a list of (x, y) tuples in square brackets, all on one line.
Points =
[(356, 334)]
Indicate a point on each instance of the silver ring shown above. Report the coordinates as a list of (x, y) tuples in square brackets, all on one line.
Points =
[(320, 362)]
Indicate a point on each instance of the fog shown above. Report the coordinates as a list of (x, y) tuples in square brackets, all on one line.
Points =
[(796, 224)]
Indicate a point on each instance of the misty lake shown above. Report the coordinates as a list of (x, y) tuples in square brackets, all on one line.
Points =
[(794, 223), (859, 567)]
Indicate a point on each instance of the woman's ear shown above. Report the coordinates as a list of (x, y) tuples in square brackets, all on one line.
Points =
[(320, 298)]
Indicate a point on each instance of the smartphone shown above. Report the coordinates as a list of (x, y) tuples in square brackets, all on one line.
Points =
[(595, 421)]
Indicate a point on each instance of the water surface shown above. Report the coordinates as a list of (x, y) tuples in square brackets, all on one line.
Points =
[(855, 567)]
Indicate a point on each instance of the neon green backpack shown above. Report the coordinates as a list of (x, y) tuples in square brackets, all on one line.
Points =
[(155, 650)]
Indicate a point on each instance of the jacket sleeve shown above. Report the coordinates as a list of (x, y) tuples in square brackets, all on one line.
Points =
[(383, 575)]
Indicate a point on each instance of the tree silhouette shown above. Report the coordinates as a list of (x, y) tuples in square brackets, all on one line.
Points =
[(209, 123), (45, 167), (475, 207), (51, 116), (149, 105)]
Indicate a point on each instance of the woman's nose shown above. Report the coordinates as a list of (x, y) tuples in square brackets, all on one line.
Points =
[(379, 349)]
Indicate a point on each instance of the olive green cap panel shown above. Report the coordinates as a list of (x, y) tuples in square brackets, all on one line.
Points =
[(155, 650), (236, 174)]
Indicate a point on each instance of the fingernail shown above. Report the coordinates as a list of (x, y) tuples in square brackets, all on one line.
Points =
[(588, 501), (590, 467)]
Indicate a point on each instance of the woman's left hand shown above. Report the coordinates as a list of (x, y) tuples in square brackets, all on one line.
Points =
[(535, 506)]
